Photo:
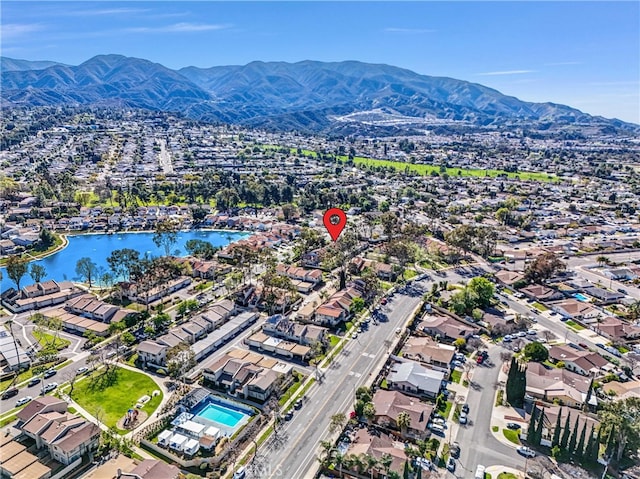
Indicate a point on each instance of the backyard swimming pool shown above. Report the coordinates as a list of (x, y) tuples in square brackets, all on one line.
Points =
[(221, 414), (581, 297)]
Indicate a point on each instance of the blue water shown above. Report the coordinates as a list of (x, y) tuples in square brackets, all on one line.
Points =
[(221, 414), (98, 247), (581, 297)]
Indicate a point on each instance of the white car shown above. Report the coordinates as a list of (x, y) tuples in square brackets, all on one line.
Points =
[(23, 401), (241, 473), (82, 370), (526, 451), (49, 387), (463, 419)]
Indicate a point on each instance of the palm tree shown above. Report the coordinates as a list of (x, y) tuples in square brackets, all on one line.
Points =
[(339, 460), (403, 421), (369, 411), (385, 461), (327, 447), (372, 464)]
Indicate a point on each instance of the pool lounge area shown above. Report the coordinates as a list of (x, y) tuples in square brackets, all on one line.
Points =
[(223, 414)]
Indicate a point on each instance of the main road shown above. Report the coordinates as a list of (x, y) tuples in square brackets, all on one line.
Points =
[(292, 452)]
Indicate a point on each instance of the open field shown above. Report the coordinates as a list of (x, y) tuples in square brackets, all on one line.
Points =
[(114, 393)]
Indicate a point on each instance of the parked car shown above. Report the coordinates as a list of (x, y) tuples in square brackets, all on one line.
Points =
[(298, 404), (463, 419), (451, 464), (49, 387), (288, 416), (9, 393), (456, 364), (454, 450), (526, 451), (241, 473), (513, 426), (23, 401), (33, 382), (623, 291), (465, 408), (583, 345), (532, 332), (82, 370), (49, 372), (424, 463)]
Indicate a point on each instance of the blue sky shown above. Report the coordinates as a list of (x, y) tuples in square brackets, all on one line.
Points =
[(583, 54)]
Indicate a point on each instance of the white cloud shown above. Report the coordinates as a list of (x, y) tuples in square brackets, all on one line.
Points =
[(179, 28), (12, 30), (108, 11), (507, 72), (408, 30)]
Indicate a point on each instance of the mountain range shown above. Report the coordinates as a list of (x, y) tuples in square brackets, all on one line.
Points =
[(307, 96)]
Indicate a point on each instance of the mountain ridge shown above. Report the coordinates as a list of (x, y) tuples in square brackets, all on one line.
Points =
[(306, 95)]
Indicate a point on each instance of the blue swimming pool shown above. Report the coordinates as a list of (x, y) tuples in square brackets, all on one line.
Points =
[(581, 297), (222, 415)]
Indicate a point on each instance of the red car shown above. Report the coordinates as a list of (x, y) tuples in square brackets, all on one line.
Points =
[(479, 360), (383, 301)]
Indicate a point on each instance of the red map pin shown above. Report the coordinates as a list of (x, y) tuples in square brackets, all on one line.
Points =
[(334, 220)]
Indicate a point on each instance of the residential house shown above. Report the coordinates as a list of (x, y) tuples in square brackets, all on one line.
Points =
[(581, 362), (427, 351), (574, 309), (539, 292), (412, 378), (445, 327), (558, 384), (390, 404)]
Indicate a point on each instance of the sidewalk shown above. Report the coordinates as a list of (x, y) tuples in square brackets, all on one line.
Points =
[(459, 394)]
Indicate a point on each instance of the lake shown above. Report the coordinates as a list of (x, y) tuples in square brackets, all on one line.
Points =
[(98, 247)]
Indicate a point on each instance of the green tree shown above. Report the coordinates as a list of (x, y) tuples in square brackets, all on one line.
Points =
[(122, 262), (531, 430), (543, 267), (516, 384), (566, 430), (403, 421), (201, 249), (180, 359), (557, 429), (579, 451), (622, 419), (86, 269), (573, 440), (539, 429), (483, 290), (369, 411), (16, 268), (357, 305), (536, 351), (37, 272), (460, 344), (337, 422), (166, 235)]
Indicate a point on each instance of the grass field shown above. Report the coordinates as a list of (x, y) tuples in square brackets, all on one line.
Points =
[(512, 436), (426, 170), (455, 376), (574, 325), (507, 475), (49, 340), (115, 394), (540, 306)]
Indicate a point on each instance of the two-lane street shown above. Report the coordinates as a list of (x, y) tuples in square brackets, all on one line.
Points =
[(477, 444)]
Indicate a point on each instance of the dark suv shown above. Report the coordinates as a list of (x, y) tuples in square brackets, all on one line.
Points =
[(9, 393)]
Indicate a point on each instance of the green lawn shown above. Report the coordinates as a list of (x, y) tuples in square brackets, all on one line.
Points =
[(333, 340), (507, 475), (574, 325), (540, 306), (49, 340), (410, 273), (115, 394), (512, 436), (447, 408), (426, 170), (289, 392), (455, 376)]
